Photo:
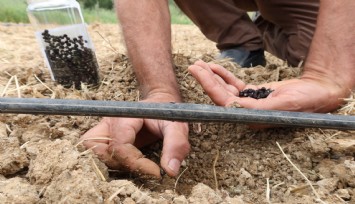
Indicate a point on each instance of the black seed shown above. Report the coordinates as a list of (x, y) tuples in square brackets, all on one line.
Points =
[(257, 94), (71, 65)]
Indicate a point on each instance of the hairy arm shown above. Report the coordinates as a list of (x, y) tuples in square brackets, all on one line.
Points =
[(332, 53), (328, 75), (147, 32)]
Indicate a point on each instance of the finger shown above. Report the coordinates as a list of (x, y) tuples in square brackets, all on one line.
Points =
[(232, 89), (213, 88), (124, 153), (98, 134), (97, 139), (128, 130), (130, 158), (175, 147), (227, 76), (219, 79), (145, 138), (100, 146), (203, 65)]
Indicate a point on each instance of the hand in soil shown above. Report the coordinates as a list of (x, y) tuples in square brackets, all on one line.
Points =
[(301, 94), (129, 134)]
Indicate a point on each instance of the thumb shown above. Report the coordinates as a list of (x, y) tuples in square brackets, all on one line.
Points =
[(175, 147), (129, 157)]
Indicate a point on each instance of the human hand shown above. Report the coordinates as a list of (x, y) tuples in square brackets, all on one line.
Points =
[(128, 134), (304, 94)]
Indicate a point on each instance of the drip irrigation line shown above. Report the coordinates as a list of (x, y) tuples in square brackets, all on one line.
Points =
[(175, 112)]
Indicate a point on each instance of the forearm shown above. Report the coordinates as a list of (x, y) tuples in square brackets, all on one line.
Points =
[(147, 32), (332, 52)]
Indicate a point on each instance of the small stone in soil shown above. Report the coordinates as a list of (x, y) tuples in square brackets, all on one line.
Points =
[(257, 94)]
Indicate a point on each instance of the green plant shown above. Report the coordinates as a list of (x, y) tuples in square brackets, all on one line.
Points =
[(99, 15), (177, 17), (13, 11), (106, 4)]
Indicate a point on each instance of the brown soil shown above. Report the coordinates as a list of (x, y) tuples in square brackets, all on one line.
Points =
[(41, 163)]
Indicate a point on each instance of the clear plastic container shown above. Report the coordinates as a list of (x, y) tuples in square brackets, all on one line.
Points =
[(65, 42)]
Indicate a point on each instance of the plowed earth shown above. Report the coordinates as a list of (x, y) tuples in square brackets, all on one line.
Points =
[(40, 161)]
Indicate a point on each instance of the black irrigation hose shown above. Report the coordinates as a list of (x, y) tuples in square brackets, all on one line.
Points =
[(174, 112)]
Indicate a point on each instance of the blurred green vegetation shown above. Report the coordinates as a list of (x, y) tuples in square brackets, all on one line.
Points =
[(13, 11), (91, 4), (99, 11)]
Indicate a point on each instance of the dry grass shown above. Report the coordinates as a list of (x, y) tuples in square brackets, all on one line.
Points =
[(349, 107), (109, 200), (299, 171), (97, 170), (214, 170), (94, 138), (178, 178)]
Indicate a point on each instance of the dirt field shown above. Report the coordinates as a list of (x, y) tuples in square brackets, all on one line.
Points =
[(40, 161)]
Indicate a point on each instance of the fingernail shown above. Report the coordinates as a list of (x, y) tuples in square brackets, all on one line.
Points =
[(174, 165)]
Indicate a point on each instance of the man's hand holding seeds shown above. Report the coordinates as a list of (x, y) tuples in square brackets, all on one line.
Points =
[(319, 32)]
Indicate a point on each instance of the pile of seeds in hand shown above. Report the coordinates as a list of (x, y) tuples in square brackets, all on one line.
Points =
[(71, 62), (257, 94)]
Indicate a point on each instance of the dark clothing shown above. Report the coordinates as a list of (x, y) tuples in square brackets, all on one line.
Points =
[(284, 28)]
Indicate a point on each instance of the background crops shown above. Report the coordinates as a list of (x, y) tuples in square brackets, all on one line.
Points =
[(14, 11)]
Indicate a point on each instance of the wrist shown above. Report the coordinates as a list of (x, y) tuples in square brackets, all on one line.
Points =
[(331, 55), (336, 72), (337, 84)]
